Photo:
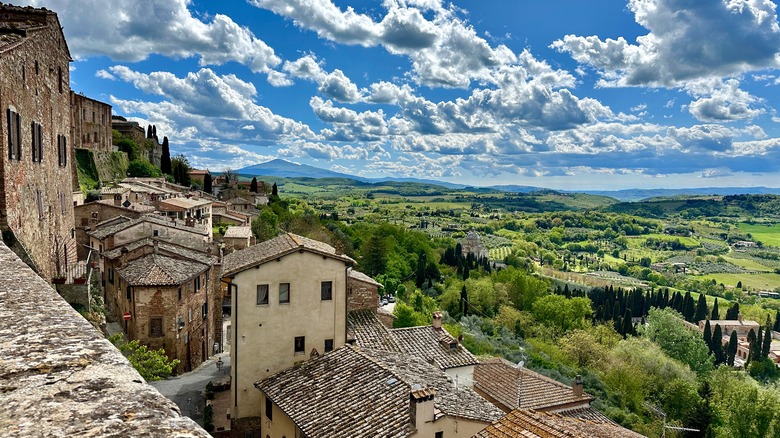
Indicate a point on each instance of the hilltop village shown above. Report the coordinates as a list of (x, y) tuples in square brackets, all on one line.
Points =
[(97, 217)]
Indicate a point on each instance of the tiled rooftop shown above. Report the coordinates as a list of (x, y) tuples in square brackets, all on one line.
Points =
[(277, 247), (365, 393), (164, 247), (428, 344), (101, 232), (532, 424), (60, 378), (185, 202), (159, 270), (368, 332), (238, 232), (520, 387), (588, 413), (359, 276)]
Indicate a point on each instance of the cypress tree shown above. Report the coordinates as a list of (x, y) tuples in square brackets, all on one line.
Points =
[(767, 344), (148, 131), (253, 185), (274, 190), (628, 328), (701, 309), (708, 335), (207, 183), (165, 159), (419, 277), (751, 339), (715, 312), (731, 353), (464, 298), (733, 312), (717, 345), (466, 272), (777, 321), (689, 308)]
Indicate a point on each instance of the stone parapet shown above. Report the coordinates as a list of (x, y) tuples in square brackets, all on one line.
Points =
[(59, 377)]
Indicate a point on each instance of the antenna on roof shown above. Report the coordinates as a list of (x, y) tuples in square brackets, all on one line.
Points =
[(521, 364)]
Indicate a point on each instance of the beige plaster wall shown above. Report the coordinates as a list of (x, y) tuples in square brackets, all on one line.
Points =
[(263, 335)]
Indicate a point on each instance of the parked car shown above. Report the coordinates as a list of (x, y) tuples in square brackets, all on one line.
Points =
[(391, 299), (384, 302)]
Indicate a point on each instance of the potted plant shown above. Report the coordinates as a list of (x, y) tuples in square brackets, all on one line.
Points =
[(59, 279), (80, 280)]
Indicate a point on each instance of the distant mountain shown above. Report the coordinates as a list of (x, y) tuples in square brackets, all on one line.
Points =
[(631, 195), (285, 169)]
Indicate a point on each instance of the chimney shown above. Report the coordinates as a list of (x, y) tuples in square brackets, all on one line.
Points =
[(437, 320), (123, 257), (739, 317), (155, 245), (576, 386), (421, 405)]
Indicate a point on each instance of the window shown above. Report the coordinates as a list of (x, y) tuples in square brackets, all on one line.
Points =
[(155, 233), (204, 310), (129, 293), (37, 142), (300, 344), (284, 292), (269, 408), (155, 327), (197, 283), (326, 290), (62, 150), (14, 134), (179, 293), (439, 435), (189, 315), (39, 200), (328, 345), (59, 77), (262, 294), (111, 275)]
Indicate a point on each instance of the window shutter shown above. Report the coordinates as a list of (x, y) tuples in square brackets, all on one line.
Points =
[(40, 143), (34, 133), (18, 137), (11, 131)]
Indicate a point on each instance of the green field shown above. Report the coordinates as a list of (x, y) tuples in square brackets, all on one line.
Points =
[(748, 264), (764, 281), (766, 234)]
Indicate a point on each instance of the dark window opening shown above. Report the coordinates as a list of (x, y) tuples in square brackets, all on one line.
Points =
[(328, 345), (156, 327), (300, 344), (326, 290), (129, 293), (269, 408)]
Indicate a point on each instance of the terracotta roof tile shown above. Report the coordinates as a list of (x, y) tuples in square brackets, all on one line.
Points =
[(533, 424), (359, 276), (101, 232), (277, 247), (241, 232), (164, 247), (160, 270), (365, 393), (515, 387), (429, 344), (369, 332)]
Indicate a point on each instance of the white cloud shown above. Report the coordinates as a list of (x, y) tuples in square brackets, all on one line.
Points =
[(719, 101), (103, 74), (130, 30), (686, 41)]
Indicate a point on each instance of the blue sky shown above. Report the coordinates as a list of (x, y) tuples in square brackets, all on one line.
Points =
[(565, 94)]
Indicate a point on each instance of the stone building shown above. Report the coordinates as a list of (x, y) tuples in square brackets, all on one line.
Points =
[(472, 244), (172, 296), (90, 123), (362, 291), (289, 301), (88, 216), (237, 237), (129, 129), (36, 183)]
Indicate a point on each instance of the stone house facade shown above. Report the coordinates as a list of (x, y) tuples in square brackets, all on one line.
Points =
[(172, 294), (87, 216), (289, 304), (362, 291), (36, 183), (90, 123)]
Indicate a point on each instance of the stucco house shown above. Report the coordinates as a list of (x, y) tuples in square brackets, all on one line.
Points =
[(354, 392), (288, 296)]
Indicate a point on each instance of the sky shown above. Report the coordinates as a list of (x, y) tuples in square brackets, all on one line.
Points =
[(563, 94)]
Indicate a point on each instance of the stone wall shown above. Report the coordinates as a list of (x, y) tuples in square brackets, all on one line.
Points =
[(74, 294), (35, 191), (60, 377), (90, 123), (362, 295)]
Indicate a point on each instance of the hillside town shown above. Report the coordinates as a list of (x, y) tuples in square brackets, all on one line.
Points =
[(310, 344)]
